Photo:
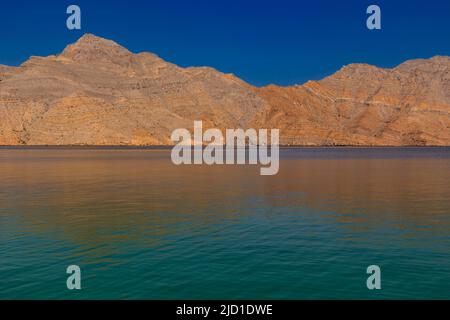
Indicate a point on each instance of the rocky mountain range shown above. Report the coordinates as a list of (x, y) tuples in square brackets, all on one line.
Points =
[(96, 92)]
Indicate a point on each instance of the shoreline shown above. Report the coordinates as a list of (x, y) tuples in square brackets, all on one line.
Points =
[(168, 147)]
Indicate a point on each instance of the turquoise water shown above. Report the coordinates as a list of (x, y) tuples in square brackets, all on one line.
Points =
[(142, 228)]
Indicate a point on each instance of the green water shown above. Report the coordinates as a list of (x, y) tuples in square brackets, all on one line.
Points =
[(141, 228)]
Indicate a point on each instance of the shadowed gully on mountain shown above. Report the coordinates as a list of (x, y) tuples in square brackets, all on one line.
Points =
[(98, 93)]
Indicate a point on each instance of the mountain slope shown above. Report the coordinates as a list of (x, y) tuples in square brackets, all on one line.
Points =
[(365, 105), (98, 93)]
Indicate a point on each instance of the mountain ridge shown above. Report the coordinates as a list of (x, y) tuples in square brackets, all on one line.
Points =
[(96, 92)]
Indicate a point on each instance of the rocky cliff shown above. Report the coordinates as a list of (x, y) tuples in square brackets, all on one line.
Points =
[(98, 93)]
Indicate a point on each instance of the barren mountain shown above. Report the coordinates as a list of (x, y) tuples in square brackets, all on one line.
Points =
[(366, 105), (98, 93)]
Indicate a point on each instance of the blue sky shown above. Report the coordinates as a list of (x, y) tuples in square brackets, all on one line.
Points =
[(283, 42)]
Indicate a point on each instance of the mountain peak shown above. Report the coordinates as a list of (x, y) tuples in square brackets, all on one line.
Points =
[(89, 39), (93, 48)]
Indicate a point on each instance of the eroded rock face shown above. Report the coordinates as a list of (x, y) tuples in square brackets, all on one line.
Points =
[(98, 93), (365, 105)]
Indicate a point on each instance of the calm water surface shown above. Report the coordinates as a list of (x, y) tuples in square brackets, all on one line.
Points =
[(142, 228)]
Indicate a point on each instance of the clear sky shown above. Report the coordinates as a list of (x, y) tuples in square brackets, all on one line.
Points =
[(279, 41)]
